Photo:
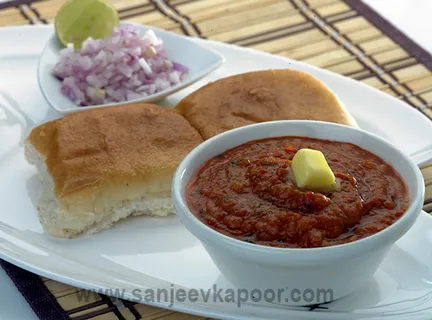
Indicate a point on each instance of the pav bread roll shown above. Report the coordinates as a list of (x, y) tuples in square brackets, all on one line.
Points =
[(261, 96), (101, 165)]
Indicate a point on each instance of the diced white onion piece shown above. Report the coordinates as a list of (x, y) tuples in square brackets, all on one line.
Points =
[(147, 69)]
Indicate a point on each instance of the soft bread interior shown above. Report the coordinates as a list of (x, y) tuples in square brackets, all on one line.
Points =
[(68, 219)]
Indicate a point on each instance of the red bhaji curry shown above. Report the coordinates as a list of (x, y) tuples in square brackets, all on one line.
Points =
[(248, 193)]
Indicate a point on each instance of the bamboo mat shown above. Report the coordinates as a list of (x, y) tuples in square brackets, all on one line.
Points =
[(344, 36)]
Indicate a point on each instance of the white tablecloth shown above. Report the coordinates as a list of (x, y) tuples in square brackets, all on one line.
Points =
[(413, 17)]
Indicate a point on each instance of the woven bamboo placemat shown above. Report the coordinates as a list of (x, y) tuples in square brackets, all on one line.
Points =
[(344, 36)]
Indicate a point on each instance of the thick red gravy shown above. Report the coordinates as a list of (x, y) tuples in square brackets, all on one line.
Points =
[(247, 193)]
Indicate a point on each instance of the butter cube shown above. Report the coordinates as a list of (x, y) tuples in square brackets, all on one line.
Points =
[(311, 171)]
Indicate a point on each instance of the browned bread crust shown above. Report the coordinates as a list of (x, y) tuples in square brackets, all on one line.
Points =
[(261, 96)]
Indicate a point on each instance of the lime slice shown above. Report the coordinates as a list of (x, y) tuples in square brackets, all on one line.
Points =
[(79, 19)]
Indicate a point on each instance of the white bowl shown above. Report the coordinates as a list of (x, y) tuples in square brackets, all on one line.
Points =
[(337, 270), (199, 59)]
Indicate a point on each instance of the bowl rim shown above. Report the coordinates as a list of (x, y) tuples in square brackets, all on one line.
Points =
[(183, 211)]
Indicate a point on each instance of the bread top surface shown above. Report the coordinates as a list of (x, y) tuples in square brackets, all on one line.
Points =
[(261, 96), (106, 147)]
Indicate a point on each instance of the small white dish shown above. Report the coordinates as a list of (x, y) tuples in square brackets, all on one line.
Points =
[(199, 59), (336, 270)]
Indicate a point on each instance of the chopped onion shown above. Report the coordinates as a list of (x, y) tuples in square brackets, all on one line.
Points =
[(123, 67), (147, 69)]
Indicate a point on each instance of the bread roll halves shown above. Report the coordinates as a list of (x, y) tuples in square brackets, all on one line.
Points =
[(98, 166)]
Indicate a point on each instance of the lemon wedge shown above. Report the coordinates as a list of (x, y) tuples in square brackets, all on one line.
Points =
[(78, 20)]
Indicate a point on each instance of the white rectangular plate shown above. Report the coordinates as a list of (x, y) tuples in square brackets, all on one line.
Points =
[(143, 252)]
